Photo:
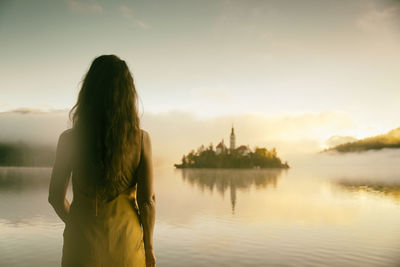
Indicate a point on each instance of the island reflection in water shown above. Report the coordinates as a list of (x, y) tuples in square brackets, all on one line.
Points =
[(296, 217), (231, 179)]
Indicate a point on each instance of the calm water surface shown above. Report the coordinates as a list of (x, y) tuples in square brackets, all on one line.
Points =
[(321, 212)]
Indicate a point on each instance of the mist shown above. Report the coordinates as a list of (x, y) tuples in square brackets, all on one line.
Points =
[(176, 133), (379, 167), (297, 138)]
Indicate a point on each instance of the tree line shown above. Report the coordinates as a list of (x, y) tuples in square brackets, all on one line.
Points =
[(21, 154), (388, 140), (206, 157)]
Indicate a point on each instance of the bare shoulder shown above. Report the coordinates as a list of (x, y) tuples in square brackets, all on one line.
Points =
[(146, 136), (65, 142), (65, 136), (67, 133), (146, 141)]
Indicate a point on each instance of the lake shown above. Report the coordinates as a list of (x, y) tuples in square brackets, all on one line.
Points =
[(324, 211)]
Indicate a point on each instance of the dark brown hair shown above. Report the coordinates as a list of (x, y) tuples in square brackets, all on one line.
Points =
[(106, 119)]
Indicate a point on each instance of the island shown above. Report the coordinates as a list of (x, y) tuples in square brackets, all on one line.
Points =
[(390, 139), (232, 157)]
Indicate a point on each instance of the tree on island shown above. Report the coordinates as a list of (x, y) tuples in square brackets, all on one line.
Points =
[(232, 158)]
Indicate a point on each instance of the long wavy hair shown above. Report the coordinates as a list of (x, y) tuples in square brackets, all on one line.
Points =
[(106, 120)]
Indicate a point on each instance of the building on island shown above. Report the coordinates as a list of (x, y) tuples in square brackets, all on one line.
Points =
[(243, 150), (220, 147), (233, 139)]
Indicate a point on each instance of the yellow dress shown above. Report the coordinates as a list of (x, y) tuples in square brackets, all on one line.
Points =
[(103, 233)]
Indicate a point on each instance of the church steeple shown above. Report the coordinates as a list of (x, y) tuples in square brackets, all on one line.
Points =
[(233, 139)]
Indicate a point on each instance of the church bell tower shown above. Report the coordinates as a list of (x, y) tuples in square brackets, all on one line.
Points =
[(233, 139)]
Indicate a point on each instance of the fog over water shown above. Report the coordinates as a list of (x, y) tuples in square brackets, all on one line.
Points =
[(176, 133), (380, 166), (325, 208)]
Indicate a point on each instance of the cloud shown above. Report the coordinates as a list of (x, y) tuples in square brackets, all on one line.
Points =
[(26, 110), (380, 20), (4, 106), (127, 13), (85, 6), (142, 24), (266, 35), (218, 94)]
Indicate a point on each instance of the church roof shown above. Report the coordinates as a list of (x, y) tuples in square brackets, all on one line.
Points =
[(221, 145)]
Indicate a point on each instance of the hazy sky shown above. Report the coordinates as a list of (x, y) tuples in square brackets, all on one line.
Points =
[(334, 64)]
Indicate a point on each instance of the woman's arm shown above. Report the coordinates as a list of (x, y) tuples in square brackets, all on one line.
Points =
[(146, 198), (60, 178)]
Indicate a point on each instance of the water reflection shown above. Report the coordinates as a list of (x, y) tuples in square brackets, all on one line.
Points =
[(295, 217), (17, 179), (231, 179), (382, 189), (23, 196)]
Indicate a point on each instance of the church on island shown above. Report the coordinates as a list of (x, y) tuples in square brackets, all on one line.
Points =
[(242, 150), (232, 157)]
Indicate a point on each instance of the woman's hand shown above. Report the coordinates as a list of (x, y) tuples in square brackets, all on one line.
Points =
[(150, 258)]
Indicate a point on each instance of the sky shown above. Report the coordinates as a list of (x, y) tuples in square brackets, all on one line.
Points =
[(288, 74)]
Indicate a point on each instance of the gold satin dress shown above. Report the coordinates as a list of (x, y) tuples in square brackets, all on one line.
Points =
[(103, 233)]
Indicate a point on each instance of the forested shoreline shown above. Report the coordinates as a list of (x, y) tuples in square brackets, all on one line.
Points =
[(23, 154), (389, 140)]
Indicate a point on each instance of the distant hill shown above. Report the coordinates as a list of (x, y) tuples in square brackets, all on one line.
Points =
[(22, 154), (388, 140)]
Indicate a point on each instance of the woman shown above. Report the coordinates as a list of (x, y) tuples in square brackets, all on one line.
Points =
[(110, 159)]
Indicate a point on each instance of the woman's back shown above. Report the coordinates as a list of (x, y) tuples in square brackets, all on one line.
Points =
[(102, 231)]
